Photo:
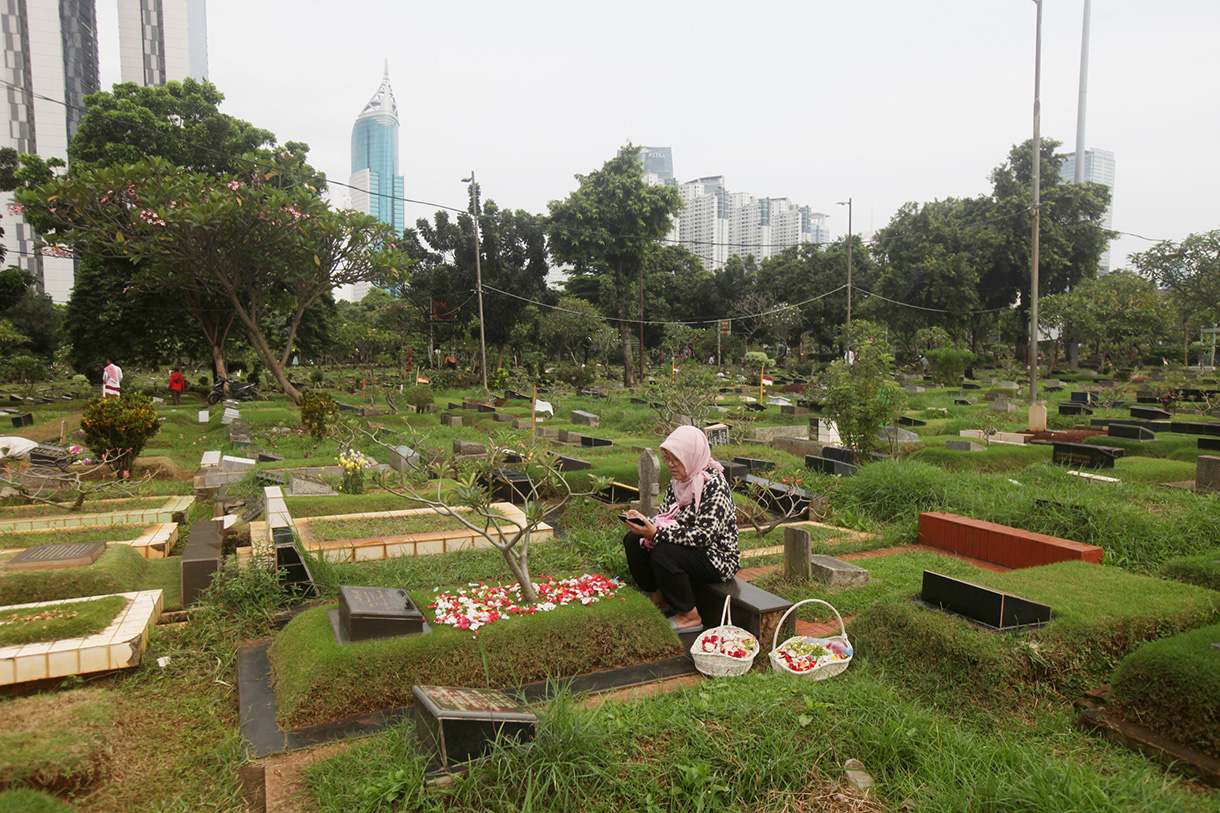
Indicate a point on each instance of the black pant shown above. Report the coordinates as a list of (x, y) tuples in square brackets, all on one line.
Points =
[(672, 569)]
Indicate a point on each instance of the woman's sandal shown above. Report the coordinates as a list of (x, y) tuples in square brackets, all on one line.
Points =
[(684, 630)]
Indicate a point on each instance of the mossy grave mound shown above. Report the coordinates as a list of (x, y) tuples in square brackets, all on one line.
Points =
[(119, 570), (56, 741), (1172, 686), (316, 679)]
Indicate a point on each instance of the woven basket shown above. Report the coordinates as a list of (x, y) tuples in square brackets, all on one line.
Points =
[(821, 670), (715, 663)]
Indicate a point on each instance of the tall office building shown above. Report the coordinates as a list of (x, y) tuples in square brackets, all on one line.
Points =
[(163, 41), (377, 188), (658, 165), (1098, 168), (50, 65)]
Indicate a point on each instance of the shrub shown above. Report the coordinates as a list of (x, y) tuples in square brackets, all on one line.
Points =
[(862, 397), (318, 412), (418, 396), (444, 379), (120, 427), (575, 374), (315, 376), (949, 364)]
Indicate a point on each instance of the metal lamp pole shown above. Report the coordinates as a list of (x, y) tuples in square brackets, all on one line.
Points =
[(1037, 184), (478, 270), (847, 203)]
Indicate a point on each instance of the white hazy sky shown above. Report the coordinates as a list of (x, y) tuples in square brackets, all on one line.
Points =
[(885, 101)]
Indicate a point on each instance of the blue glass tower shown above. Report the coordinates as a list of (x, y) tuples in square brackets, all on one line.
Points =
[(378, 186)]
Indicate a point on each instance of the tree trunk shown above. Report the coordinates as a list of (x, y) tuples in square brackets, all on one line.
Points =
[(518, 565), (624, 330)]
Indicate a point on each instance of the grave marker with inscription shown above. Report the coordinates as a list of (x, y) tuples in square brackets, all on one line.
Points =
[(457, 725), (49, 557), (367, 613), (1082, 455)]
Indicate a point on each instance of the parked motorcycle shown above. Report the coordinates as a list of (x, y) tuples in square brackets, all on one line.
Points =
[(239, 391)]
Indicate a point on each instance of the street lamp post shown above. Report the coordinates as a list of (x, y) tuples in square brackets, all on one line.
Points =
[(478, 270), (847, 203), (1037, 184)]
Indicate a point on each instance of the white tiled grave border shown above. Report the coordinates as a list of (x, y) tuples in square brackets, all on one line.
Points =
[(119, 646), (154, 543)]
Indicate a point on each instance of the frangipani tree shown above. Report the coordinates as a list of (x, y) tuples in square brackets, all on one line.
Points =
[(251, 242)]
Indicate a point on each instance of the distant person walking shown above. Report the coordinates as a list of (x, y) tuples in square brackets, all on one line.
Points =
[(112, 376), (177, 383)]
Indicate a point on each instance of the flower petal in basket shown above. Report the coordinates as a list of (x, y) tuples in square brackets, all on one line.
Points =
[(817, 658), (726, 650)]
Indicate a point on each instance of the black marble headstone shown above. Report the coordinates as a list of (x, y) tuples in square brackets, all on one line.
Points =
[(506, 485), (457, 725), (734, 470), (585, 440), (565, 462), (1074, 408), (826, 465), (1209, 444), (903, 420), (1084, 397), (1082, 455), (366, 613), (291, 565), (1131, 432), (989, 607), (1150, 413), (754, 464), (1194, 427), (22, 419)]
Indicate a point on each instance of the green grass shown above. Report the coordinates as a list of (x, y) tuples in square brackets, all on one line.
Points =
[(330, 530), (760, 742), (314, 676), (56, 741), (119, 570), (1203, 569), (88, 533), (1171, 686), (79, 619), (27, 800), (99, 506)]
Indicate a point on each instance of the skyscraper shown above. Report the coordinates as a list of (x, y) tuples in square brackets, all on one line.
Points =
[(163, 41), (1098, 168), (658, 165), (377, 188), (51, 64)]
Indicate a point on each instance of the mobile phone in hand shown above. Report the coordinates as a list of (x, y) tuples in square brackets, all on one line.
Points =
[(630, 520)]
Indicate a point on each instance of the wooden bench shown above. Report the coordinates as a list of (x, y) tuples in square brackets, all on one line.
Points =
[(753, 608), (999, 544)]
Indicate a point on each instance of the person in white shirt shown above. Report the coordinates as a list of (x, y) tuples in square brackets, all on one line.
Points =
[(112, 376)]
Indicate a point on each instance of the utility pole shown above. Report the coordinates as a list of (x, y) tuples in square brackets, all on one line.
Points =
[(478, 271)]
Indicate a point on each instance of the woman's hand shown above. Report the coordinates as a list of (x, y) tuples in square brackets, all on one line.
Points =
[(643, 527)]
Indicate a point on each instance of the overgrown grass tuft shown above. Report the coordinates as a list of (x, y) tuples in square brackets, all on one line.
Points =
[(59, 742), (1171, 686), (1203, 569), (119, 570)]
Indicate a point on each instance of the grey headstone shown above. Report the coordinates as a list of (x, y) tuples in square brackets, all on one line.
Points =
[(451, 420), (1207, 473), (404, 458), (769, 433), (797, 558), (837, 573), (469, 447), (66, 554), (1003, 406), (581, 418), (798, 447), (964, 446), (650, 483), (914, 388), (717, 434), (304, 485), (891, 433)]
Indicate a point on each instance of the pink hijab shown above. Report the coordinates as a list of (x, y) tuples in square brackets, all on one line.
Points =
[(690, 446)]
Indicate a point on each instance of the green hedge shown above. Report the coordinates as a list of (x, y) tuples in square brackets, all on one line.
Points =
[(1171, 686), (316, 679)]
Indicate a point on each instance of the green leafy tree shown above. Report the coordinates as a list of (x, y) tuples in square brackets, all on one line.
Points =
[(605, 229), (571, 327), (1120, 313), (256, 246), (1190, 269), (862, 397)]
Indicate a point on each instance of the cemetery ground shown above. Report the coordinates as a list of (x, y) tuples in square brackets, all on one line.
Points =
[(942, 713)]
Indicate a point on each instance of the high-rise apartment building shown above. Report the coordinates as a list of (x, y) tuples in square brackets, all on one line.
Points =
[(377, 188), (51, 63), (1098, 168), (163, 41)]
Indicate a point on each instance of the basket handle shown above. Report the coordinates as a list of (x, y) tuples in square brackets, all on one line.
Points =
[(784, 617), (726, 617)]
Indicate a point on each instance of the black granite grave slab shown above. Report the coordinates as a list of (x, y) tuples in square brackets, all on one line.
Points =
[(962, 402), (1074, 408), (366, 613), (644, 401), (51, 456), (22, 419), (270, 478), (991, 608), (589, 442), (253, 511), (485, 407), (291, 566), (755, 407), (51, 557), (506, 485), (825, 465), (457, 725), (1130, 431), (1148, 413), (264, 456), (1084, 397), (565, 462), (1082, 455), (754, 464), (1054, 388), (734, 470), (903, 420), (618, 493), (779, 497), (969, 386), (1208, 444), (200, 559), (1195, 427)]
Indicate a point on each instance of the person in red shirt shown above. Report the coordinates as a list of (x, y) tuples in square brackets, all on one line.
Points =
[(177, 384)]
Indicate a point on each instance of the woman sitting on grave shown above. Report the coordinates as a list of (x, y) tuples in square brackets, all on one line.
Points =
[(693, 539)]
